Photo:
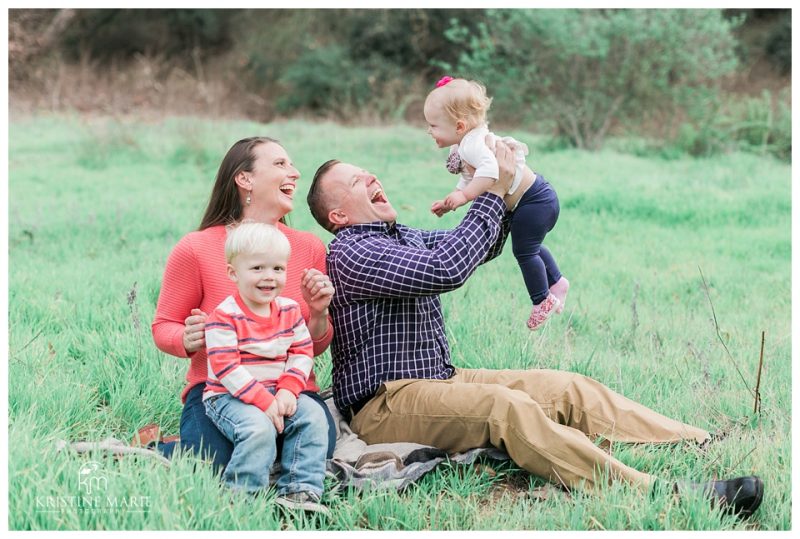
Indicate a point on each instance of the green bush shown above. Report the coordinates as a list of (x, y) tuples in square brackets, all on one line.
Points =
[(764, 125), (761, 125), (270, 40), (328, 82), (117, 35), (407, 38), (779, 44), (345, 63), (583, 72), (324, 81)]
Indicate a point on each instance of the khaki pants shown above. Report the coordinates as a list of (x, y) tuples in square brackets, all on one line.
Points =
[(541, 418)]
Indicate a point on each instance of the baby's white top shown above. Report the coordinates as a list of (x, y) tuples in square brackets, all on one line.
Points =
[(474, 151)]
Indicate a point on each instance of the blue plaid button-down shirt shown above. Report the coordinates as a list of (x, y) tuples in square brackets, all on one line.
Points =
[(387, 316)]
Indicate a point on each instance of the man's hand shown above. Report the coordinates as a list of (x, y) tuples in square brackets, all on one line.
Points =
[(507, 166), (274, 414), (438, 208), (288, 402)]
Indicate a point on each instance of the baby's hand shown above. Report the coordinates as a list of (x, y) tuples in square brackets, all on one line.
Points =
[(438, 208), (454, 200), (288, 402)]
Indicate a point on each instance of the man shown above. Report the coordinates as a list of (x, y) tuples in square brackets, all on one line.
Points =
[(392, 374)]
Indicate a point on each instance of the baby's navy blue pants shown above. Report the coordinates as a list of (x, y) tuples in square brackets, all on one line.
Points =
[(535, 216)]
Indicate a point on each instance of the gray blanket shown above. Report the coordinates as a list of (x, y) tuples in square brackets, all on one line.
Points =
[(354, 462), (394, 465)]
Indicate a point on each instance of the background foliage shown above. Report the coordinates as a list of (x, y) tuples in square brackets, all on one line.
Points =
[(696, 81), (584, 71)]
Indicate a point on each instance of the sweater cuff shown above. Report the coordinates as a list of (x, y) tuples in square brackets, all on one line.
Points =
[(177, 343), (290, 383), (263, 399), (321, 344)]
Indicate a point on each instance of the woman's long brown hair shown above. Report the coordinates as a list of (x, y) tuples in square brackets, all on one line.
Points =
[(224, 206)]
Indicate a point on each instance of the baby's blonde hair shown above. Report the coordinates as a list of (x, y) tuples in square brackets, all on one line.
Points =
[(463, 100), (250, 237)]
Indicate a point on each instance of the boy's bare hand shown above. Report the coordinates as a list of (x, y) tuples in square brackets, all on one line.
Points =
[(288, 402), (274, 414)]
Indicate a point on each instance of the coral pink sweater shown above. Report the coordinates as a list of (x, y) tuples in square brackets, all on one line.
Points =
[(195, 277)]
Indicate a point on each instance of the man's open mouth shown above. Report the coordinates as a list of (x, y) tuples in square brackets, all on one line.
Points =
[(377, 197)]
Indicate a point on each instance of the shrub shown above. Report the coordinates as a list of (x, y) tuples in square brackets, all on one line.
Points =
[(324, 81), (764, 125), (118, 34), (328, 82), (585, 71), (344, 63), (760, 125), (779, 45)]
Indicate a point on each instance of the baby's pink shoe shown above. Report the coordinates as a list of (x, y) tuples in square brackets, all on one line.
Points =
[(559, 290), (542, 312)]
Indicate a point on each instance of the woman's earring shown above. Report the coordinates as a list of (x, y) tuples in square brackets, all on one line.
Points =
[(247, 200)]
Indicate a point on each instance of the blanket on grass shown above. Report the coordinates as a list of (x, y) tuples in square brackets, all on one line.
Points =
[(355, 463)]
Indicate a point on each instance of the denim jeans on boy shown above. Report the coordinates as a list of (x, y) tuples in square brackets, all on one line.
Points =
[(254, 437), (199, 434)]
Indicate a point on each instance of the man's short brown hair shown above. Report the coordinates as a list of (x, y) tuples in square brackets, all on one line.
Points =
[(316, 200)]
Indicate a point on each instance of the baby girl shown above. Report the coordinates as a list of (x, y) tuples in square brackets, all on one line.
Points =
[(456, 115)]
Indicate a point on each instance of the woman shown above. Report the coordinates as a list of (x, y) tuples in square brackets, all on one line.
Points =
[(256, 180)]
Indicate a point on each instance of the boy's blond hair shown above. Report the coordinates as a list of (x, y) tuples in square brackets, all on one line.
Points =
[(463, 100), (251, 237)]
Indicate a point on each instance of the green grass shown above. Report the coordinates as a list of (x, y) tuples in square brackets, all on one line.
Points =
[(96, 205)]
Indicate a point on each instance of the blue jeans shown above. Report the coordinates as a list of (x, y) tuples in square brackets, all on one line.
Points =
[(255, 445), (199, 435)]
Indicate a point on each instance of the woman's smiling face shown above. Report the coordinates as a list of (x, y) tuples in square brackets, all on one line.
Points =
[(273, 180)]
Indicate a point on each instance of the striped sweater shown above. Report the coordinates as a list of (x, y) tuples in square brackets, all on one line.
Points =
[(248, 353), (195, 277)]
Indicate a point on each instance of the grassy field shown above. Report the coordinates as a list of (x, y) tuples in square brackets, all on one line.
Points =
[(95, 205)]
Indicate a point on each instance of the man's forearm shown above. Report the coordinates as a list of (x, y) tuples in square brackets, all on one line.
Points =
[(382, 267)]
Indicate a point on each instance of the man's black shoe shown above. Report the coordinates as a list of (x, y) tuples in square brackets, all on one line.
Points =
[(740, 496)]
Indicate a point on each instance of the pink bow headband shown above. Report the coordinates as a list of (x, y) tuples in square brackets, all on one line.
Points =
[(444, 80)]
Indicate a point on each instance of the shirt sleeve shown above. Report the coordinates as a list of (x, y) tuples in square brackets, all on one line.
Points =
[(222, 345), (475, 152), (181, 291), (299, 360), (433, 237), (379, 266), (505, 228)]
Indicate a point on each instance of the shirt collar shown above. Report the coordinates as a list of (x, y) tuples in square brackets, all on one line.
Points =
[(375, 226)]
